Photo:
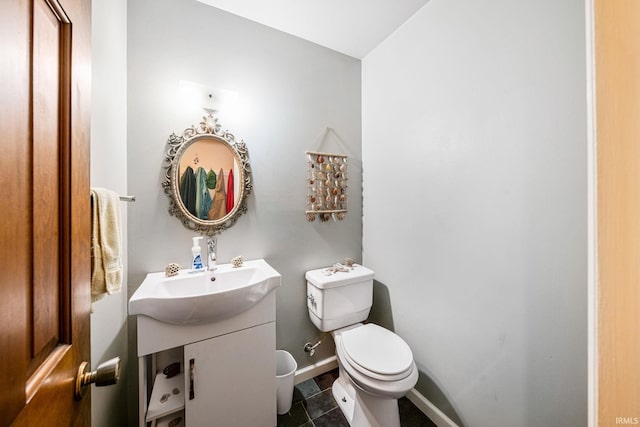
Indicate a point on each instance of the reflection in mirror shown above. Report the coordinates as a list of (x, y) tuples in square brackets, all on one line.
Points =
[(207, 178), (208, 183)]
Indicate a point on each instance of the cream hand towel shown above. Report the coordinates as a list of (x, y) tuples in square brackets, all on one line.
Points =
[(106, 262)]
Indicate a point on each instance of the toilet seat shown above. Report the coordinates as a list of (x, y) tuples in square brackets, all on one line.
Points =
[(377, 352), (394, 386)]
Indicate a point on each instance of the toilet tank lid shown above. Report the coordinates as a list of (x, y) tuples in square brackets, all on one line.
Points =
[(320, 278)]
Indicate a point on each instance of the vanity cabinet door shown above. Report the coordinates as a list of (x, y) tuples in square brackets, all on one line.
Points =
[(230, 380)]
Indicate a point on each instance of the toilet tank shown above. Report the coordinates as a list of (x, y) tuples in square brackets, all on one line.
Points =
[(339, 299)]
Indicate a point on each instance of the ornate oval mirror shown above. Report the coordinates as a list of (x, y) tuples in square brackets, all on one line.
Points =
[(208, 177)]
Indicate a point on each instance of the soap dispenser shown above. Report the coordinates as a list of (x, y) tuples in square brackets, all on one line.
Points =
[(196, 256)]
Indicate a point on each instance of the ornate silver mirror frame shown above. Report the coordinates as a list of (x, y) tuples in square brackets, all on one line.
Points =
[(209, 130)]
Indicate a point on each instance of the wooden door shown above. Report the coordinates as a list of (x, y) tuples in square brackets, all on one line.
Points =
[(45, 210), (617, 77)]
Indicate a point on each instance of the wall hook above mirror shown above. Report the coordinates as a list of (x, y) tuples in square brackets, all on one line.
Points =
[(208, 176)]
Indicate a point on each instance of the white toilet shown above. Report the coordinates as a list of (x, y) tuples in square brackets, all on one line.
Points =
[(376, 365)]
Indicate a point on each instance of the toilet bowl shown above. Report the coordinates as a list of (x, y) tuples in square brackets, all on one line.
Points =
[(376, 366), (376, 369), (378, 361)]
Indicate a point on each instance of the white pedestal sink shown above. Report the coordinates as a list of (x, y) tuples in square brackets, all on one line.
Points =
[(193, 298), (224, 335)]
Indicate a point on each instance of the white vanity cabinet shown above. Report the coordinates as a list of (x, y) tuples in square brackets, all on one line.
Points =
[(228, 370), (226, 384)]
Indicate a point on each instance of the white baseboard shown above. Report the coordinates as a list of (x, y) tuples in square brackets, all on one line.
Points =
[(429, 409), (316, 369), (421, 402)]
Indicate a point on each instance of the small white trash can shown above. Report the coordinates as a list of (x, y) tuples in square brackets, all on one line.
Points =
[(285, 375)]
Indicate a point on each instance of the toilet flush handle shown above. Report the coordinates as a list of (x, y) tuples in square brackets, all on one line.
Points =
[(311, 299)]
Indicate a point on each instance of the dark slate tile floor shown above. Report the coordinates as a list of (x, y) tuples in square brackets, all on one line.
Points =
[(314, 406)]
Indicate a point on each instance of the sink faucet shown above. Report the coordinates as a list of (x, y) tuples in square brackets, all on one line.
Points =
[(212, 248)]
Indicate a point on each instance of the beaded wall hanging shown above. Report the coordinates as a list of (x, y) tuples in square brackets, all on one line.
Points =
[(327, 186)]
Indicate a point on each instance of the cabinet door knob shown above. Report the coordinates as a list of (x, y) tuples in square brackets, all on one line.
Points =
[(192, 394)]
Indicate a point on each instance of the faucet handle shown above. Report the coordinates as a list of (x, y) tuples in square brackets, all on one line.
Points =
[(212, 248), (212, 244)]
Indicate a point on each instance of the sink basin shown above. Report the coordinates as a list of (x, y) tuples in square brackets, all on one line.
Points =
[(192, 298)]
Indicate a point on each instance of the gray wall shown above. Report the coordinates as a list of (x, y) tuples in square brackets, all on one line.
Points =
[(109, 170), (288, 91), (475, 204)]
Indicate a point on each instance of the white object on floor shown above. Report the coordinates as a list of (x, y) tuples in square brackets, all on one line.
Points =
[(285, 375)]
